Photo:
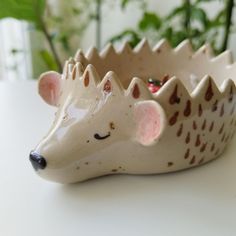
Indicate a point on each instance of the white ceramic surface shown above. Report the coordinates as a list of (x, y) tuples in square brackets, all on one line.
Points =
[(108, 122)]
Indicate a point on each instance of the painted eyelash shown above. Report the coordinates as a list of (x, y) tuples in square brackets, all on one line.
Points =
[(97, 136)]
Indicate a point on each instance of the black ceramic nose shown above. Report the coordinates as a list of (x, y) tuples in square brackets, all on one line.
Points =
[(37, 161)]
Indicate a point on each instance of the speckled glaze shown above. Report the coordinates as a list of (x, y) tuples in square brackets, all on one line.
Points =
[(108, 122)]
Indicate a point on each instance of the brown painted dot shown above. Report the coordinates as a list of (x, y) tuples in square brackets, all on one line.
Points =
[(130, 106), (212, 147), (180, 130), (223, 137), (204, 124), (112, 125), (86, 163), (227, 138), (232, 135), (214, 106), (231, 95), (86, 79), (87, 141), (232, 121), (107, 86), (192, 160), (187, 110), (186, 155), (222, 110), (217, 152), (164, 79), (173, 119), (211, 126), (158, 50), (209, 93), (221, 129), (187, 139), (194, 125), (199, 110), (198, 141), (203, 147), (174, 97), (136, 92), (232, 110), (65, 117), (170, 164), (114, 170), (201, 161), (77, 168)]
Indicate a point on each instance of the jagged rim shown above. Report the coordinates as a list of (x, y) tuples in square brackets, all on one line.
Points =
[(74, 68)]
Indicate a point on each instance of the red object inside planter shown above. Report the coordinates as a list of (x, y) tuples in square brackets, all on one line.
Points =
[(154, 84)]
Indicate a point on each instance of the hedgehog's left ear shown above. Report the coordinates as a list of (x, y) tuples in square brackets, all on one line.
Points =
[(49, 87), (150, 121)]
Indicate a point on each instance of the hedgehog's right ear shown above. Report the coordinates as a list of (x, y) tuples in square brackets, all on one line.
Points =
[(150, 121), (49, 87)]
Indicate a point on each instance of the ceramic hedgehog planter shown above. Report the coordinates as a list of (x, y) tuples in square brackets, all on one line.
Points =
[(118, 124)]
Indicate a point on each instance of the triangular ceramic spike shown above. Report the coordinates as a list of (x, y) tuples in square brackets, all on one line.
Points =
[(125, 49), (228, 87), (65, 70), (206, 89), (138, 89), (111, 84), (90, 76), (173, 92), (224, 59), (108, 50), (162, 45), (231, 71), (92, 53), (204, 50), (71, 63), (79, 56), (143, 46), (77, 71), (184, 47)]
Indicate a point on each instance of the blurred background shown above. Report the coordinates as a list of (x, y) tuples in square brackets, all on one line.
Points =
[(39, 35)]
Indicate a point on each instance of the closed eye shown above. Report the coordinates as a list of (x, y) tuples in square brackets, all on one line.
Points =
[(99, 137)]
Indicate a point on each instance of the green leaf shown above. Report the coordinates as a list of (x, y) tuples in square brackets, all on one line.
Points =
[(175, 12), (29, 10), (64, 40), (219, 20), (48, 60), (131, 36), (200, 1), (124, 3), (150, 20), (200, 15), (177, 37)]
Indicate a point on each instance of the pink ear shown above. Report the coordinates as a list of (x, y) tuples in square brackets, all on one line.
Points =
[(49, 87), (150, 121)]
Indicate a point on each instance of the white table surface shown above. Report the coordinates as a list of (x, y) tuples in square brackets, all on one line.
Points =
[(200, 201)]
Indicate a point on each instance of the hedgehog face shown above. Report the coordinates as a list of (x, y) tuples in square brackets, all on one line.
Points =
[(93, 118)]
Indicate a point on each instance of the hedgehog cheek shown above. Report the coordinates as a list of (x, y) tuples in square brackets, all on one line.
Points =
[(150, 121), (49, 87)]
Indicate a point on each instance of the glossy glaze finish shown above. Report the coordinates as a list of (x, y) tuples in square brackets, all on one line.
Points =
[(116, 125)]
